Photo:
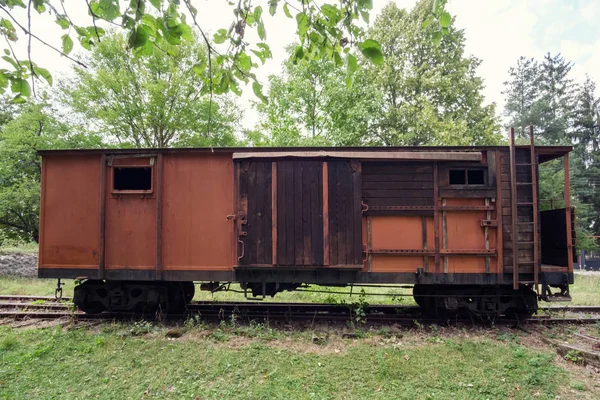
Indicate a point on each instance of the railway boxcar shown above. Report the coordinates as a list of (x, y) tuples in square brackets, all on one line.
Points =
[(462, 224)]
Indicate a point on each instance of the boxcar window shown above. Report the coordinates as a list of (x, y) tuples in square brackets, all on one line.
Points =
[(132, 178), (458, 176), (466, 177)]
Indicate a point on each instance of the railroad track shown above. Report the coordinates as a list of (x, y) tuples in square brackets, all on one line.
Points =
[(38, 307)]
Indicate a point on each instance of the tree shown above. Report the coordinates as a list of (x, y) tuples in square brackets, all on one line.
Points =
[(32, 129), (556, 99), (153, 101), (586, 163), (430, 94), (311, 105), (523, 93)]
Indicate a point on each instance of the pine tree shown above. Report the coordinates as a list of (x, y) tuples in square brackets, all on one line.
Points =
[(523, 95)]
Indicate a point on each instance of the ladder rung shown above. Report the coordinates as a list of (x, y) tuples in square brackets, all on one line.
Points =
[(523, 183), (524, 204), (525, 242), (524, 223), (520, 165)]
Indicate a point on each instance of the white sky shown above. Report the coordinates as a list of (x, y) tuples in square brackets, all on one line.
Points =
[(497, 32)]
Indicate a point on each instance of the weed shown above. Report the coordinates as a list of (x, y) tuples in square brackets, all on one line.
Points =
[(39, 301), (574, 356), (8, 343), (507, 337), (578, 386), (139, 328)]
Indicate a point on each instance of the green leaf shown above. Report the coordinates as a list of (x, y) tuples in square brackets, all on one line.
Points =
[(20, 86), (261, 31), (352, 64), (200, 67), (67, 44), (18, 99), (62, 22), (39, 6), (426, 23), (137, 38), (257, 89), (234, 87), (258, 13), (245, 62), (11, 61), (273, 6), (445, 19), (436, 37), (156, 4), (302, 21), (44, 73), (220, 36), (106, 9), (349, 81), (298, 54), (286, 11), (371, 49), (330, 12)]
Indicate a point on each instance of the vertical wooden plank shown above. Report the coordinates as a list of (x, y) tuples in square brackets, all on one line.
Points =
[(236, 208), (436, 217), (298, 199), (289, 204), (102, 249), (369, 243), (318, 219), (325, 186), (500, 229), (307, 176), (334, 211), (259, 212), (342, 195), (568, 214), (252, 228), (267, 219), (356, 245), (159, 202), (513, 203), (282, 211), (486, 237), (274, 212)]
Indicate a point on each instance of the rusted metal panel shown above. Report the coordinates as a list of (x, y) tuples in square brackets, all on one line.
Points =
[(159, 212), (436, 216), (197, 200), (130, 222), (102, 222), (500, 230), (70, 212)]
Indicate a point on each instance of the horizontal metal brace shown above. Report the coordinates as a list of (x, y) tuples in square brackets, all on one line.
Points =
[(426, 252), (491, 223), (431, 208)]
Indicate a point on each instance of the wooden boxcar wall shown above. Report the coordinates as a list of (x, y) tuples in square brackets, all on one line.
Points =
[(299, 213)]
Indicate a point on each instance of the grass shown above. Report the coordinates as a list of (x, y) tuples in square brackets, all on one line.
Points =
[(27, 248), (586, 290), (229, 361)]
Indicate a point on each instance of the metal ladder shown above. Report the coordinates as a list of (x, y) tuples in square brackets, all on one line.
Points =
[(525, 209)]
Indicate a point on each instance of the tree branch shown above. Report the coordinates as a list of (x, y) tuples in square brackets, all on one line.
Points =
[(27, 32)]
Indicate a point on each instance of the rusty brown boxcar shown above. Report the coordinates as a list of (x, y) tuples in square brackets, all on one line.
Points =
[(460, 223)]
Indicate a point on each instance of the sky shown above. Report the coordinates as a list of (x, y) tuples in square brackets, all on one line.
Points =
[(497, 32)]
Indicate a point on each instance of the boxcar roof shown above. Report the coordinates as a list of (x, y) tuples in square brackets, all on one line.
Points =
[(546, 153)]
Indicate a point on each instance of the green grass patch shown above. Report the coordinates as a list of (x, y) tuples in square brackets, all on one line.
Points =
[(27, 248), (586, 290), (253, 362)]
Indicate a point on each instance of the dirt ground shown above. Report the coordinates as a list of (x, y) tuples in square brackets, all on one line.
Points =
[(19, 264)]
